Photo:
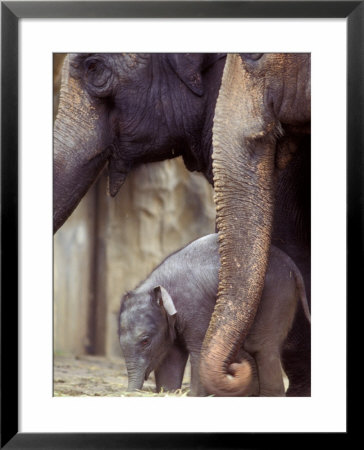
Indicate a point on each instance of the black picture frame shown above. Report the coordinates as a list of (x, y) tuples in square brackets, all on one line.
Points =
[(11, 12)]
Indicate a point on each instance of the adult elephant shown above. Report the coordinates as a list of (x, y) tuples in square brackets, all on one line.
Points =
[(124, 110), (129, 109), (261, 166)]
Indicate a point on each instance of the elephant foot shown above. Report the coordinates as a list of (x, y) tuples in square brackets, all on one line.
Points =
[(272, 393)]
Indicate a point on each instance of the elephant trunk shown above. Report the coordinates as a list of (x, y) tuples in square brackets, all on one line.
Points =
[(78, 152), (136, 377), (243, 166), (135, 383)]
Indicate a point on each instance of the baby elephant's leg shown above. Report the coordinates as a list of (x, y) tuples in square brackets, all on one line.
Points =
[(197, 388), (270, 374), (264, 346), (169, 374)]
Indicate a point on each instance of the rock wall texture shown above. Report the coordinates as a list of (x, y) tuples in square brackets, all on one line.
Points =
[(109, 245)]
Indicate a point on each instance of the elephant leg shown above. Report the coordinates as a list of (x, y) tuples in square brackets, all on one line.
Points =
[(169, 374), (270, 374), (197, 389)]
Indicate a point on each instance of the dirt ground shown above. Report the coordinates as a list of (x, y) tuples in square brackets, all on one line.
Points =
[(96, 376)]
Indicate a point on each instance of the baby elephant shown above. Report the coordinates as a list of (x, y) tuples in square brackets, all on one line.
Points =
[(165, 319)]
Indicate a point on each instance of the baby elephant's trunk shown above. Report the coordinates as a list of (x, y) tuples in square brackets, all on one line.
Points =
[(135, 383), (135, 377)]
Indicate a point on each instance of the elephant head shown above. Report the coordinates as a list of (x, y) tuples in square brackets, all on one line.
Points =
[(264, 101), (146, 332), (127, 109)]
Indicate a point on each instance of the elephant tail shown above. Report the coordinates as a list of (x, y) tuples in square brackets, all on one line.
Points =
[(302, 292)]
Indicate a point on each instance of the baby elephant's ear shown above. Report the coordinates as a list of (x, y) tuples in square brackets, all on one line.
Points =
[(164, 299)]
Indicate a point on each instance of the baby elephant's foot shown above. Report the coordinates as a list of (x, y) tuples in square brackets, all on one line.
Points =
[(272, 392)]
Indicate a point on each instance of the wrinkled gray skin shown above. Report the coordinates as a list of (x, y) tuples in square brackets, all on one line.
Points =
[(123, 110), (166, 317)]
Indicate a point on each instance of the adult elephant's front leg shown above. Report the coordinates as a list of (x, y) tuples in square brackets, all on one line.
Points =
[(169, 374)]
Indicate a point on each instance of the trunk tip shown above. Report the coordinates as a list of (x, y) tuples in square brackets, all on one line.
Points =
[(233, 381)]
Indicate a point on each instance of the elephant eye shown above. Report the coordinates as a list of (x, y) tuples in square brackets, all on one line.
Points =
[(99, 77), (145, 341), (91, 65)]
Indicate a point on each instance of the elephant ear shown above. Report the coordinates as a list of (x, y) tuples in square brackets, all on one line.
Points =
[(188, 67), (165, 302)]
